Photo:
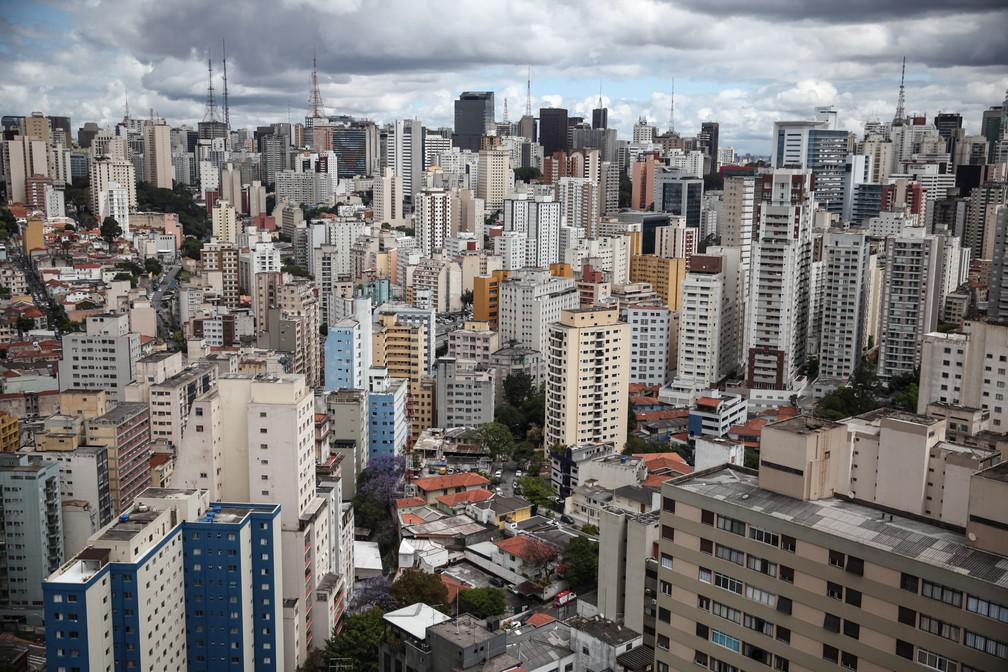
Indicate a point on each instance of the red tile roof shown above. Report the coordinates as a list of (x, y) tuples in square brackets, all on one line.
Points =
[(453, 586), (708, 401), (538, 620), (463, 480), (411, 519), (467, 497), (409, 502), (670, 414), (527, 548), (157, 459)]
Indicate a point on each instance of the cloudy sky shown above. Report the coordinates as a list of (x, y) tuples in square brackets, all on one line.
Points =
[(743, 63)]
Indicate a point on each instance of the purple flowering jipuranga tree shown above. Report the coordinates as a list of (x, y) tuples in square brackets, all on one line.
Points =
[(373, 593), (377, 488)]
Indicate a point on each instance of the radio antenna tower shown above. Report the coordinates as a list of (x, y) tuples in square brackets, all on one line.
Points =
[(315, 99), (227, 110), (528, 93), (901, 101), (211, 106), (505, 111), (126, 106), (671, 114)]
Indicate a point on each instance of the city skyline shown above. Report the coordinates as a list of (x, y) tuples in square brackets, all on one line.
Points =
[(755, 64)]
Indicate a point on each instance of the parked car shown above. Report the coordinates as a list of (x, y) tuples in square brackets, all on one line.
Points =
[(566, 519), (518, 473), (497, 474), (497, 581)]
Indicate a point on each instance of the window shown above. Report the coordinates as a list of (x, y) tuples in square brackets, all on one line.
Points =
[(667, 532), (668, 505), (830, 653), (848, 661), (759, 625), (705, 575), (664, 615), (783, 635), (940, 628), (988, 645), (836, 559), (728, 583), (764, 536), (909, 582), (707, 517), (853, 598), (935, 661), (726, 612), (761, 596), (702, 631), (762, 566), (788, 543), (834, 590), (784, 605), (699, 657), (716, 665), (666, 561), (781, 664), (731, 525), (666, 588), (727, 641), (662, 641), (987, 608), (729, 554), (851, 629), (936, 591), (706, 546), (855, 566), (907, 616), (904, 649), (786, 574), (831, 623)]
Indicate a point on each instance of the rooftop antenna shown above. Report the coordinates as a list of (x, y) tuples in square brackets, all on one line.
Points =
[(528, 93), (227, 111), (671, 114), (505, 111), (211, 106), (315, 99), (125, 106), (600, 94), (900, 113)]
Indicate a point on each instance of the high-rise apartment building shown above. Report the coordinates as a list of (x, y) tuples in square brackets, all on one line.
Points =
[(844, 303), (911, 299), (125, 433), (104, 171), (707, 140), (664, 275), (158, 168), (464, 391), (579, 198), (407, 156), (494, 177), (102, 357), (813, 145), (432, 220), (530, 300), (474, 117), (587, 379), (219, 261), (224, 222), (23, 158), (997, 303), (777, 321), (651, 339), (981, 218), (536, 220)]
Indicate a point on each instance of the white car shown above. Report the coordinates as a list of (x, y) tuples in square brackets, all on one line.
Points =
[(497, 474), (518, 473)]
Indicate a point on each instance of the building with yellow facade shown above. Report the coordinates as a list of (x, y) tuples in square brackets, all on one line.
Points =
[(665, 276)]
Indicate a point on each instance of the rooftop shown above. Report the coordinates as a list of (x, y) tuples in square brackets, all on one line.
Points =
[(857, 523), (999, 472), (603, 629), (879, 414), (415, 619), (804, 424), (464, 479), (540, 642), (463, 631)]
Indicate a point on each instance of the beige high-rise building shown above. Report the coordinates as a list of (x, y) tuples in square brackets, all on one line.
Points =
[(159, 170), (386, 205), (772, 567), (256, 199), (104, 171), (587, 379), (23, 158), (231, 185), (293, 327), (401, 347), (225, 221), (220, 263), (494, 177)]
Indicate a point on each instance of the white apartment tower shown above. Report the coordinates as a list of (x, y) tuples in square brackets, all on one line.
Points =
[(580, 200), (103, 171), (432, 220), (587, 379), (225, 222), (537, 221), (844, 303), (103, 357), (530, 301)]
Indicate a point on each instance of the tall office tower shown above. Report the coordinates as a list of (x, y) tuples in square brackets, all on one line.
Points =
[(981, 218), (911, 299), (537, 220), (997, 302), (158, 169), (102, 612), (679, 195), (433, 145), (474, 117), (355, 143), (990, 127), (587, 379), (102, 357), (553, 130), (33, 515), (225, 222), (948, 125), (103, 172), (407, 156), (708, 143), (388, 199), (219, 261), (844, 303), (811, 145), (23, 158), (643, 132), (879, 151), (643, 171), (651, 341), (464, 393), (125, 433), (675, 240), (494, 177), (432, 221), (777, 323), (745, 544), (256, 197), (600, 117), (529, 301), (609, 189), (579, 200)]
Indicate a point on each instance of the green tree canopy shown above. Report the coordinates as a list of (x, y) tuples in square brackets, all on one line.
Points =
[(482, 602), (580, 561), (359, 640), (415, 586), (496, 439), (152, 265), (110, 230), (517, 388), (537, 490), (191, 247)]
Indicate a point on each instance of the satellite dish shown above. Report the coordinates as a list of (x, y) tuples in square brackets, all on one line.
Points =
[(971, 536)]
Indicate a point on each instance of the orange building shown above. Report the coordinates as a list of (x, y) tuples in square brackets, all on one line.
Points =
[(561, 270), (34, 236), (642, 183), (665, 275), (486, 296)]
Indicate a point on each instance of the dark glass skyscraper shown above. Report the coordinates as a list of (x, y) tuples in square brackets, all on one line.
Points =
[(600, 118), (553, 130), (709, 143), (474, 116)]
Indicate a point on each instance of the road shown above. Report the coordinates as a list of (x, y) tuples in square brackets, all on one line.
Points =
[(34, 282), (166, 318)]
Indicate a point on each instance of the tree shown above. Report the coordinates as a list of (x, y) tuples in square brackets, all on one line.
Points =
[(526, 174), (537, 490), (5, 292), (191, 247), (860, 395), (517, 388), (24, 325), (359, 640), (496, 440), (580, 561), (296, 270), (467, 297), (153, 266), (588, 528), (482, 602), (110, 230), (415, 586)]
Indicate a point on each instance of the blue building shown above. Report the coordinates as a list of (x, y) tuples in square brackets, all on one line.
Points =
[(175, 583), (388, 426), (342, 350)]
